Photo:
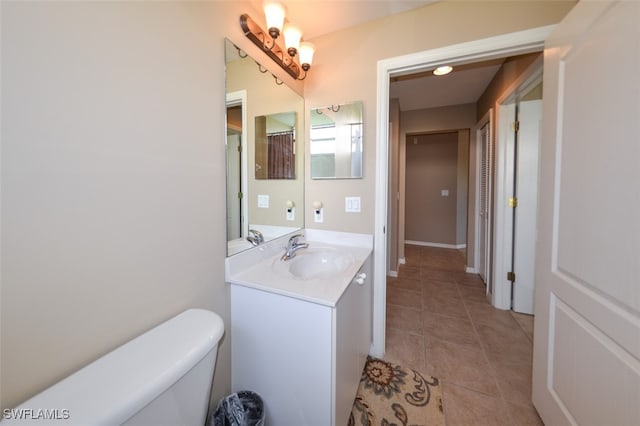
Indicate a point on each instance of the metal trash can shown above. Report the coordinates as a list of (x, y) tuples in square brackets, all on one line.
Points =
[(243, 408)]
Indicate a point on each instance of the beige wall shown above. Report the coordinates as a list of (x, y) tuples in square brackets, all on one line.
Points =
[(345, 68), (432, 167), (113, 172), (508, 73), (455, 117)]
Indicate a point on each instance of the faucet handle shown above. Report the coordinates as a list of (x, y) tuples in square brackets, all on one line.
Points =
[(257, 235), (294, 238)]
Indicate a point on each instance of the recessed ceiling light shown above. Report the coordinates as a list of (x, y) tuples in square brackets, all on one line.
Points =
[(446, 69)]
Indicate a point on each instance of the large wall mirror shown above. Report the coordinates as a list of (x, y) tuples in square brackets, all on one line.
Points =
[(265, 159), (336, 141)]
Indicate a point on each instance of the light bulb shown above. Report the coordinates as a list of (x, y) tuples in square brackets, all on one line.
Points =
[(445, 69), (292, 36), (306, 52), (274, 13)]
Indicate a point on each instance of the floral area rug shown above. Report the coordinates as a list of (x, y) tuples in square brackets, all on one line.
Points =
[(390, 395)]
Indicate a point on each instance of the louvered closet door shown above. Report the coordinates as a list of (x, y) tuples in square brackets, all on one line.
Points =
[(485, 202)]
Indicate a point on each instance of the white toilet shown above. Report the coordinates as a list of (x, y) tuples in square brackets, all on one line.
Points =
[(162, 377)]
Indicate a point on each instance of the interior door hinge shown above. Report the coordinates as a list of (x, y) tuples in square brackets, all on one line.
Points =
[(240, 195), (515, 126), (239, 148), (511, 276), (513, 202)]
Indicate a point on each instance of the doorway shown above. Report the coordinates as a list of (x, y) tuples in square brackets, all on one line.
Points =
[(236, 152), (436, 181), (517, 159), (501, 46)]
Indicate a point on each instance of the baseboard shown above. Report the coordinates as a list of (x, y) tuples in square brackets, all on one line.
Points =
[(393, 274), (471, 270), (402, 261), (439, 245)]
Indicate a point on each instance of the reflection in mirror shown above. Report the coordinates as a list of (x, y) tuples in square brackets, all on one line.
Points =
[(269, 202), (336, 141), (236, 207), (275, 146)]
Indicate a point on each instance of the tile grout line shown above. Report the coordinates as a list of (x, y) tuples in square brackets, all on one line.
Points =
[(437, 268), (493, 368)]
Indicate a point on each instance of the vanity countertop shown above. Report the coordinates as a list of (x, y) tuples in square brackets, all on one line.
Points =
[(261, 267)]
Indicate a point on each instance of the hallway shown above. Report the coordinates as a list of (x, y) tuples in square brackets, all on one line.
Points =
[(440, 323)]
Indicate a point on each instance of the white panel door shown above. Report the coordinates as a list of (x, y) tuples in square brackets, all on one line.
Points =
[(524, 234), (586, 367)]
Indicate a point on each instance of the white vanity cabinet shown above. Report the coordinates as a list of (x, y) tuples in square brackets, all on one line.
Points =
[(302, 357)]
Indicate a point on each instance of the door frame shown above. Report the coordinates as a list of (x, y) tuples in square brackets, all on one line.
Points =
[(515, 43)]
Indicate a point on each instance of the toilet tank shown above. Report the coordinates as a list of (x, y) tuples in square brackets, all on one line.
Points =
[(162, 377)]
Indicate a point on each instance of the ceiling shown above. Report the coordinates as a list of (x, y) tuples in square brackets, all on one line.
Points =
[(319, 17), (463, 85), (422, 90)]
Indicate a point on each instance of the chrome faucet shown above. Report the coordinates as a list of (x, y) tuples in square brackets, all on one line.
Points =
[(292, 247), (255, 237)]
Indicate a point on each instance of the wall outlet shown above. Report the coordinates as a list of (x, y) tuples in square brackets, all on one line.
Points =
[(318, 215), (444, 192), (291, 213), (352, 204)]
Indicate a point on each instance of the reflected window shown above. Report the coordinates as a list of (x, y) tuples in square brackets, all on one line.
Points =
[(336, 141)]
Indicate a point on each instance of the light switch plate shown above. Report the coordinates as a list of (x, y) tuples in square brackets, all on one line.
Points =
[(352, 204), (444, 192), (263, 201)]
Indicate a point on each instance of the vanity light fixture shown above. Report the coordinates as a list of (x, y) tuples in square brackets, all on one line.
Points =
[(286, 58), (443, 70), (263, 70), (331, 108)]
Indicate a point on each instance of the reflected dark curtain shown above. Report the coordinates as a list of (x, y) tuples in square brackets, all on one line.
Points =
[(282, 159)]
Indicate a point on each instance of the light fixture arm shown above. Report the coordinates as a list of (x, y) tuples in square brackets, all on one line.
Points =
[(262, 39)]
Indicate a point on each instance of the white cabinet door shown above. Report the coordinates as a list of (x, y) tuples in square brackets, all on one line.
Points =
[(353, 331), (587, 332), (281, 349)]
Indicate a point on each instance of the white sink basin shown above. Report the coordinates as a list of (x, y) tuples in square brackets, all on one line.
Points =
[(315, 263), (320, 273)]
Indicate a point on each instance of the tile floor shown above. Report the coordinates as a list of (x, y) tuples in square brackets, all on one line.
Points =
[(440, 323)]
